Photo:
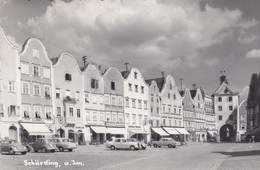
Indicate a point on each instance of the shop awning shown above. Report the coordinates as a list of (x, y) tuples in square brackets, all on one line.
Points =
[(36, 129), (182, 131), (138, 131), (117, 131), (160, 131), (171, 131), (212, 132), (99, 129)]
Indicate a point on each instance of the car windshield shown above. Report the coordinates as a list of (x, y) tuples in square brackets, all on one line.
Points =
[(66, 140), (12, 142), (55, 140)]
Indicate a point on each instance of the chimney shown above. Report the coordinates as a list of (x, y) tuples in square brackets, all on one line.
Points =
[(84, 58), (162, 74), (194, 86)]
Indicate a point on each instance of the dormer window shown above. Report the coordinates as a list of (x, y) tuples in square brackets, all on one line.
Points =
[(113, 85), (94, 84), (68, 77), (135, 74)]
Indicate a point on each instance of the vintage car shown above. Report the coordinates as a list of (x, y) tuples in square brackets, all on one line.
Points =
[(142, 145), (171, 143), (12, 147), (45, 145), (64, 144), (122, 143)]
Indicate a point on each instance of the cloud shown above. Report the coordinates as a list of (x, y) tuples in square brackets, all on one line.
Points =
[(246, 38), (248, 24), (163, 33), (255, 53)]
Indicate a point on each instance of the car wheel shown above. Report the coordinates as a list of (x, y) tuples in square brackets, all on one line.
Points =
[(52, 151), (154, 145), (132, 148), (11, 152), (35, 150), (70, 150), (112, 147), (143, 147), (169, 146), (23, 153), (28, 149), (174, 146), (61, 149), (44, 149)]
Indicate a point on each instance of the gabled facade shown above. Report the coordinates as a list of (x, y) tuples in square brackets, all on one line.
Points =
[(136, 99), (199, 105), (36, 88), (10, 103), (171, 102), (114, 102), (68, 102), (188, 113), (94, 104), (226, 101)]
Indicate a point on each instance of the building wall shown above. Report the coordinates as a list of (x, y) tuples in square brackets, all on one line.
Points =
[(69, 100), (171, 103), (9, 88), (113, 97), (188, 111), (210, 117), (155, 105)]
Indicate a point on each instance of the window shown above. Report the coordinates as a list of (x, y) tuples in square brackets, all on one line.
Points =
[(87, 115), (46, 72), (127, 102), (37, 112), (169, 96), (113, 85), (24, 68), (68, 77), (230, 108), (48, 112), (94, 84), (101, 99), (11, 86), (220, 99), (171, 85), (174, 96), (169, 109), (36, 70), (36, 89), (151, 109), (77, 95), (139, 104), (140, 119), (94, 99), (130, 86), (157, 109), (120, 101), (68, 94), (230, 99), (26, 111), (35, 53), (78, 113), (133, 103), (25, 88), (113, 100), (107, 100), (101, 117), (58, 111), (114, 117), (142, 89), (134, 119), (135, 74), (127, 118), (120, 118), (136, 88), (219, 108), (94, 116), (243, 126), (151, 98), (145, 105), (71, 111), (87, 97), (57, 93), (1, 110), (47, 91), (220, 118)]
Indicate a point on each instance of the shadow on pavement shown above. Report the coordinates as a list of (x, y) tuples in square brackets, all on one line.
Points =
[(240, 153)]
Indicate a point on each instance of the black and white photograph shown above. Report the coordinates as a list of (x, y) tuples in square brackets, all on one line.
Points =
[(130, 84)]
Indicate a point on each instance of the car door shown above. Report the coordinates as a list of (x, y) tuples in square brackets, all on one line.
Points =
[(38, 144), (124, 144), (117, 143)]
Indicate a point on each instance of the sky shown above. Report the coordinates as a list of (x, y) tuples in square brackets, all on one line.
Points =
[(192, 40)]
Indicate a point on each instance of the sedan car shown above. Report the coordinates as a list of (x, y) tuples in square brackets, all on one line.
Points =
[(171, 143), (64, 144), (12, 147), (142, 145), (45, 145)]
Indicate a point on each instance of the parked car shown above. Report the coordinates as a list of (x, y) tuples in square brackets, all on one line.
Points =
[(122, 143), (171, 143), (142, 145), (64, 144), (45, 145), (12, 147)]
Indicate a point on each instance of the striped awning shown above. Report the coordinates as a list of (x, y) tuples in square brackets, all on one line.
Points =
[(99, 129), (36, 128), (171, 130), (182, 131), (117, 131), (160, 131)]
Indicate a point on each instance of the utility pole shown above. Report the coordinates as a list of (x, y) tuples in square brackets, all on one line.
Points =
[(126, 65), (84, 58), (181, 79)]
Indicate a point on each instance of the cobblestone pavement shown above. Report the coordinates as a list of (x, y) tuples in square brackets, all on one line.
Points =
[(208, 156)]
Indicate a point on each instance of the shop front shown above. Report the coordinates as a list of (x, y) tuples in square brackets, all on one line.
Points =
[(98, 134), (184, 134), (117, 132), (138, 134), (211, 135), (31, 131), (157, 133), (173, 133)]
